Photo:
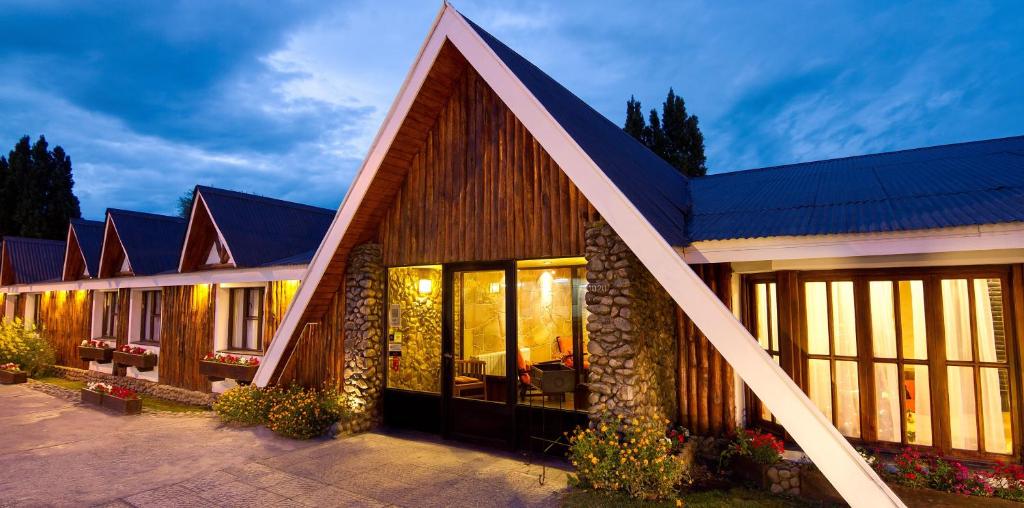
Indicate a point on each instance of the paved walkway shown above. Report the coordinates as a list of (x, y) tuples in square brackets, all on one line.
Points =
[(53, 453)]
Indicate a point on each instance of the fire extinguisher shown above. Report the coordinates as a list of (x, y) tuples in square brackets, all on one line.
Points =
[(394, 362)]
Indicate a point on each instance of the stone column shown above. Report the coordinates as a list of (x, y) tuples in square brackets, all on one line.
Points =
[(633, 344), (364, 311)]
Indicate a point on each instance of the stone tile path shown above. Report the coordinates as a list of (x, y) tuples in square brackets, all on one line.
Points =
[(53, 453)]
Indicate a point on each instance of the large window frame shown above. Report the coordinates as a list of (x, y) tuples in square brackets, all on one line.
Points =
[(243, 342), (150, 316), (110, 313), (936, 361)]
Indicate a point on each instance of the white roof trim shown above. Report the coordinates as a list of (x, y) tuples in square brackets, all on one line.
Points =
[(925, 241), (222, 276), (188, 232), (831, 452)]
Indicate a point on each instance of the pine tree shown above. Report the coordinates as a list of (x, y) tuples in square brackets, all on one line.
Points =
[(675, 136), (39, 188), (185, 203)]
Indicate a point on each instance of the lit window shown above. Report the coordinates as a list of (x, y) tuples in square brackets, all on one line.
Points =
[(245, 330)]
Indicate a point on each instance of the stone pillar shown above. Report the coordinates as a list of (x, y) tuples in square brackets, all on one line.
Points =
[(364, 311), (632, 332)]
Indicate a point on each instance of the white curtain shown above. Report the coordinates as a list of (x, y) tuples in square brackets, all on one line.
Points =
[(816, 305), (844, 322), (848, 399), (883, 321), (887, 402), (996, 428), (956, 322)]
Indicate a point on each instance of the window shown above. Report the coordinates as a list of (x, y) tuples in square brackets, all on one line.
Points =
[(766, 329), (551, 324), (245, 330), (832, 376), (32, 309), (110, 313), (899, 339), (10, 305), (977, 368), (911, 357), (149, 324)]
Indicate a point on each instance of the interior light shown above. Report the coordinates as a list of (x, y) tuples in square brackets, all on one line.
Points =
[(494, 287), (545, 281), (425, 286)]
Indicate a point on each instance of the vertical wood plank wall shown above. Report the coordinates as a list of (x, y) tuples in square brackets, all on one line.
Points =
[(278, 297), (65, 318), (186, 334), (706, 383), (319, 354), (482, 188), (124, 297)]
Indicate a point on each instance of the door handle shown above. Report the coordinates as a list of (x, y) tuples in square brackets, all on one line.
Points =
[(447, 356)]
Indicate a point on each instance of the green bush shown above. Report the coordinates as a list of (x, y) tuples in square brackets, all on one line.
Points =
[(634, 456), (244, 405), (21, 344), (302, 413)]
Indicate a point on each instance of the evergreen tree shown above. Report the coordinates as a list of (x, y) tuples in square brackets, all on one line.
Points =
[(185, 203), (675, 136), (38, 190)]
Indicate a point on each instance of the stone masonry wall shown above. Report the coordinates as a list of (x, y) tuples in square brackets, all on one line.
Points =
[(632, 332), (364, 310)]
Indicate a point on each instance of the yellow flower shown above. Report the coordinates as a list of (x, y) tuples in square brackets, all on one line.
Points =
[(593, 459)]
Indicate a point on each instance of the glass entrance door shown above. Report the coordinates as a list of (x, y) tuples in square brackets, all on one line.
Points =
[(479, 325)]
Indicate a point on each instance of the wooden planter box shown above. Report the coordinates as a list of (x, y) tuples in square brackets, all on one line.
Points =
[(815, 487), (122, 406), (751, 471), (91, 397), (96, 354), (12, 378), (217, 371), (144, 363)]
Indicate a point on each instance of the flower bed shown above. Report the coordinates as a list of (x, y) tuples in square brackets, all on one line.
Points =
[(218, 367), (140, 358), (912, 468), (119, 399), (95, 350), (752, 455), (11, 374)]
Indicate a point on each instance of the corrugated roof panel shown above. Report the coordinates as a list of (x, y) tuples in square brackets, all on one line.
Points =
[(34, 260), (90, 240), (152, 242), (264, 231), (981, 182)]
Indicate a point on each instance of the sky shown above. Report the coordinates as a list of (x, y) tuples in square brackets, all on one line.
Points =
[(283, 98)]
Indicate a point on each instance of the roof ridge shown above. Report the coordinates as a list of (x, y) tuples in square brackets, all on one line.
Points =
[(87, 222), (860, 156), (34, 240), (275, 201), (145, 214)]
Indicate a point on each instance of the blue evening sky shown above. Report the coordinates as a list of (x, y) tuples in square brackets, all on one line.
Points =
[(283, 98)]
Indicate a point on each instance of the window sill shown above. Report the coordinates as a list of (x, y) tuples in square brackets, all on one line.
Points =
[(145, 343)]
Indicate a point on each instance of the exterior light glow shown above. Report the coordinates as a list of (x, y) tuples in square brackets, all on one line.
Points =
[(426, 286)]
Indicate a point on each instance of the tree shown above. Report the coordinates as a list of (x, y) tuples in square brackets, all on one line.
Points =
[(37, 191), (185, 203), (675, 136)]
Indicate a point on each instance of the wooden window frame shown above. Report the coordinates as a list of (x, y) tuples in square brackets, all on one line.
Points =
[(152, 301), (258, 317), (110, 315), (1012, 280)]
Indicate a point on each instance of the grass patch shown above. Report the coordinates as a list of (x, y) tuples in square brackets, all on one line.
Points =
[(148, 401), (738, 496), (61, 382)]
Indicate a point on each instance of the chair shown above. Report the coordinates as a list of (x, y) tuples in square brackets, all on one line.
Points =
[(470, 376)]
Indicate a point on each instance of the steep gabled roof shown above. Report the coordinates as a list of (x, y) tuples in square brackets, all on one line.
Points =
[(657, 189), (86, 236), (963, 184), (30, 260), (261, 231), (151, 242), (646, 229)]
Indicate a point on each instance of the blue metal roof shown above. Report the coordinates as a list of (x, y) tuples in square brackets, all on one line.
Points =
[(963, 184), (34, 260), (152, 242), (90, 239), (657, 189), (263, 231)]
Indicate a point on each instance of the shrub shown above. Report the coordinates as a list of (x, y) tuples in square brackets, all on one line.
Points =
[(761, 447), (634, 456), (301, 413), (22, 344), (244, 405)]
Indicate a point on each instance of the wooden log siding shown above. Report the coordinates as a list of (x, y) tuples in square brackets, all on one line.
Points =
[(482, 188), (124, 305), (319, 354), (186, 334), (64, 320), (278, 297), (706, 384)]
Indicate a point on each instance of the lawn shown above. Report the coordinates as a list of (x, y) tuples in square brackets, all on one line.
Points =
[(737, 496), (148, 402)]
